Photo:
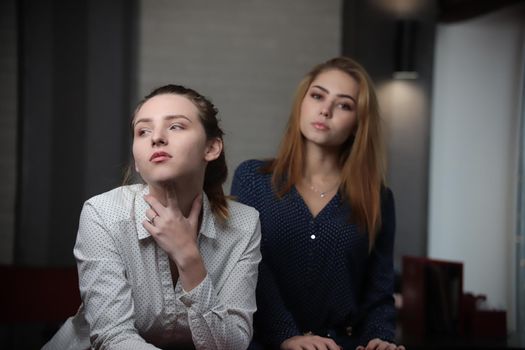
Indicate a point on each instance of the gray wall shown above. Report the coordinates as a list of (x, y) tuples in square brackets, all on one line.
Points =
[(369, 35), (247, 56)]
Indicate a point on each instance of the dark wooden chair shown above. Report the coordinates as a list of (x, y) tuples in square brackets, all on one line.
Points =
[(34, 302), (38, 294)]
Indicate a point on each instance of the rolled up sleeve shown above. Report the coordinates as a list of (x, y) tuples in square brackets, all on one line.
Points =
[(224, 319)]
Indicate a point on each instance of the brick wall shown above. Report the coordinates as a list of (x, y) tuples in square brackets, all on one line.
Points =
[(247, 56)]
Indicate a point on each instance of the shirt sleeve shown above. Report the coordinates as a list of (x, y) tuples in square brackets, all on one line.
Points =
[(379, 309), (273, 321), (224, 320), (104, 288)]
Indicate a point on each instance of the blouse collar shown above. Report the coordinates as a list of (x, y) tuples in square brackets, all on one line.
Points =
[(208, 226)]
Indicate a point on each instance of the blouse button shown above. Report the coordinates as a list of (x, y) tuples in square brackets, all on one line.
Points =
[(312, 236)]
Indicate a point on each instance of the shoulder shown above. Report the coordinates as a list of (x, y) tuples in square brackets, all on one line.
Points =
[(108, 217), (250, 182), (116, 204), (388, 212), (250, 169), (249, 177), (242, 216), (122, 196), (387, 197)]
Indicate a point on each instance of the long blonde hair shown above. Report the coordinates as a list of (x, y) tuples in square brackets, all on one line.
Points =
[(362, 157)]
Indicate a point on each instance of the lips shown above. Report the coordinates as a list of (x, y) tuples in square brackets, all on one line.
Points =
[(158, 157), (320, 126)]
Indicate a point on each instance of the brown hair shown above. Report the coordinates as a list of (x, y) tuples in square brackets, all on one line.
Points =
[(216, 170), (362, 158)]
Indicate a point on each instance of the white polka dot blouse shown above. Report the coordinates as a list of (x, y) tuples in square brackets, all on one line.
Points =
[(129, 300)]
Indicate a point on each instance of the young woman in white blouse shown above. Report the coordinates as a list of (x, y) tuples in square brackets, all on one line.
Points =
[(170, 263)]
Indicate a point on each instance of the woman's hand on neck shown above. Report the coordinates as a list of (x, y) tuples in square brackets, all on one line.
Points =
[(173, 221), (185, 193)]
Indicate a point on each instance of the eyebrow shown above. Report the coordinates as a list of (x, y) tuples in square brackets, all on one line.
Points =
[(338, 95), (168, 118)]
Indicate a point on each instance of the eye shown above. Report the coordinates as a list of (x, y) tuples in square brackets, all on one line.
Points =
[(346, 106), (316, 96), (176, 126), (142, 131)]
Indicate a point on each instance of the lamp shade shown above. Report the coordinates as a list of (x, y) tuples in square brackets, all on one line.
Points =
[(404, 49)]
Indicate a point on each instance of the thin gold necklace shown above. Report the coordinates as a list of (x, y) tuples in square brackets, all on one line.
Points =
[(322, 194)]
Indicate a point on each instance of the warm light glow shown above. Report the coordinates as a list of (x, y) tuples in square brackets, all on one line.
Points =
[(405, 75), (403, 106), (402, 8)]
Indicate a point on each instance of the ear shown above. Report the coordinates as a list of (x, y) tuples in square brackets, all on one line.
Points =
[(213, 149), (137, 168)]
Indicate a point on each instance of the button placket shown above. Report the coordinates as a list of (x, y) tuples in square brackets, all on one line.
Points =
[(168, 292), (312, 244)]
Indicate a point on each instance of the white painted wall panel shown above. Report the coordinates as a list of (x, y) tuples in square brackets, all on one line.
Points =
[(474, 151)]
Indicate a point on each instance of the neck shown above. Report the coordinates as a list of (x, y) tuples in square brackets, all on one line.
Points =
[(321, 164), (185, 191)]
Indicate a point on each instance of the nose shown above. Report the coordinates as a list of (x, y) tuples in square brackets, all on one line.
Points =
[(158, 138), (326, 110)]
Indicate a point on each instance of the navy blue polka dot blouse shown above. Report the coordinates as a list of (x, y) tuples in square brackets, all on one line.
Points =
[(317, 274)]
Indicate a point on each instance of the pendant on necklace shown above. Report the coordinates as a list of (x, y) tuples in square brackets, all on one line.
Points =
[(321, 194)]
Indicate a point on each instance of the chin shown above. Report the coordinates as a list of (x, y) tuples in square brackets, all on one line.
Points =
[(319, 141), (160, 179)]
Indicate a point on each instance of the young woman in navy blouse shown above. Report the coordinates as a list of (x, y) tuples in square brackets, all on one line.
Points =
[(327, 220)]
